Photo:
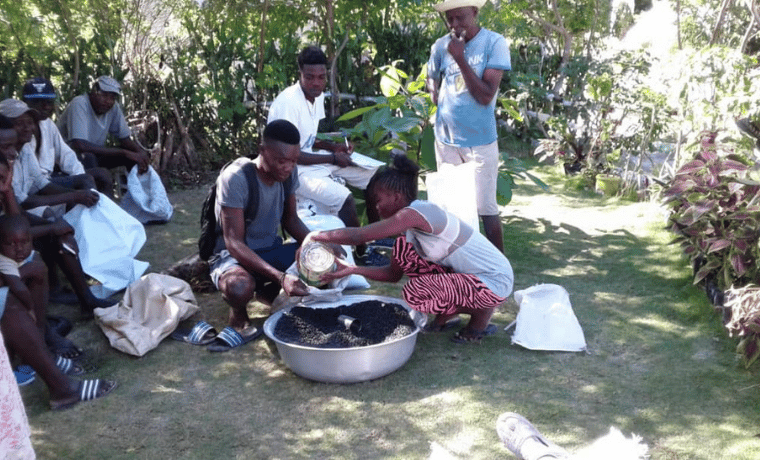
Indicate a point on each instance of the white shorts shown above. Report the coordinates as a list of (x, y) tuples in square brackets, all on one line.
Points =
[(487, 161), (317, 183)]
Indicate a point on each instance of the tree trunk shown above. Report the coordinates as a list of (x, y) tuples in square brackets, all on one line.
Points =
[(335, 99), (719, 22), (567, 37)]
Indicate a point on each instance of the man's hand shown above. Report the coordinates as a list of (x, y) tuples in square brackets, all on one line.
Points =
[(60, 227), (141, 158), (343, 158), (88, 198), (294, 286), (456, 46), (6, 186), (345, 147)]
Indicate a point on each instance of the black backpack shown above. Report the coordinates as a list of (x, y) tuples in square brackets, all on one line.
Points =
[(209, 228)]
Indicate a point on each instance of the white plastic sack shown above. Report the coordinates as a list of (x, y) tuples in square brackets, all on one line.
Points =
[(146, 198), (151, 309), (108, 239), (546, 320), (452, 188)]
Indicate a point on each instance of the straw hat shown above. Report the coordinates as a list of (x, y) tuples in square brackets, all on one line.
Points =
[(447, 5)]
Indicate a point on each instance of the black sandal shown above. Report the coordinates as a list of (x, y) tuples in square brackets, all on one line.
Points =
[(469, 335)]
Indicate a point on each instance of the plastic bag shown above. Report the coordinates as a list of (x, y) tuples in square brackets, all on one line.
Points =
[(146, 198), (546, 320), (108, 240), (151, 309), (452, 188)]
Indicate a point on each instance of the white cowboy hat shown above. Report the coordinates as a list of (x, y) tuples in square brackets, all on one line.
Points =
[(447, 5)]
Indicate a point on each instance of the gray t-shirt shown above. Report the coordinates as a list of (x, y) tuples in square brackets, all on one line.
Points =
[(79, 121), (261, 231), (456, 245)]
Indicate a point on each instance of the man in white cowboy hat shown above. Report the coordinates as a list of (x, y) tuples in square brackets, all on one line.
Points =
[(90, 118), (464, 73)]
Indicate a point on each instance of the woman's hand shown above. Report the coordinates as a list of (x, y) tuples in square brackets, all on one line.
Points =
[(342, 269)]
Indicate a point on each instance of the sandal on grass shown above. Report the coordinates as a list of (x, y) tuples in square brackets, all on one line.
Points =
[(514, 430), (202, 333), (432, 327), (469, 335), (24, 375), (229, 338), (69, 367), (87, 391), (65, 348)]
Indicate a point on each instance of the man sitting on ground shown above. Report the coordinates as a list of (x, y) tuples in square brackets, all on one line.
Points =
[(90, 118), (58, 162), (250, 258), (54, 239), (320, 162)]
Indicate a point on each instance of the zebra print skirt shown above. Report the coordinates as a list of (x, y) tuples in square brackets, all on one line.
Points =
[(435, 289)]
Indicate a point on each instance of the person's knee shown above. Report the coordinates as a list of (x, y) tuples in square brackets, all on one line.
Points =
[(35, 271), (237, 288)]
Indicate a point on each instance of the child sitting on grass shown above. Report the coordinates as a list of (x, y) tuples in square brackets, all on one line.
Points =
[(452, 268), (22, 318), (25, 274)]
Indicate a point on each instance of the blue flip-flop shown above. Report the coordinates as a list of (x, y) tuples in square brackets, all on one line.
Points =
[(229, 338), (202, 333), (24, 375)]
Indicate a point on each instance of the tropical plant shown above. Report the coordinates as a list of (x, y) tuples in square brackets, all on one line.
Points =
[(715, 214), (401, 119)]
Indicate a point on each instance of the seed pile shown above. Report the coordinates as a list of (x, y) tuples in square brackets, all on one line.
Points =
[(320, 328)]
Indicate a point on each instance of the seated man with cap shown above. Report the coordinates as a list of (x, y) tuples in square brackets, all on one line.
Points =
[(58, 162), (90, 118)]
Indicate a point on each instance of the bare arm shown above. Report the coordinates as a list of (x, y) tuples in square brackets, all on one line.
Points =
[(339, 157), (7, 197), (388, 274), (481, 89), (128, 148), (233, 231), (20, 290), (432, 88), (291, 222), (397, 224), (53, 194)]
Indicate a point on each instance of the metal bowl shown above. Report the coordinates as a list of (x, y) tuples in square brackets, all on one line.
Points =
[(351, 364)]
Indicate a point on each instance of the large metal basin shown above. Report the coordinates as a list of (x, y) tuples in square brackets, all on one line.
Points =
[(352, 364)]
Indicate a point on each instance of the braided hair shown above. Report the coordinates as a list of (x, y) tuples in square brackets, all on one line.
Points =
[(400, 176)]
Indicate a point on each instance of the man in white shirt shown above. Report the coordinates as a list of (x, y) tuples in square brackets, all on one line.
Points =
[(54, 239), (58, 162), (321, 162)]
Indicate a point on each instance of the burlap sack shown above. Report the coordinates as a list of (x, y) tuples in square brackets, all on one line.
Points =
[(151, 309)]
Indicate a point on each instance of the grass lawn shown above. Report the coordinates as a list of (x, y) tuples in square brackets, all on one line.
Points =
[(659, 364)]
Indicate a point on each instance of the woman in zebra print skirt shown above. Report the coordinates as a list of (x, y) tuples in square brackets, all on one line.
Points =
[(452, 268)]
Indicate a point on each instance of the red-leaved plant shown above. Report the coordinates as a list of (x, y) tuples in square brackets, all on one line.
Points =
[(715, 214)]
